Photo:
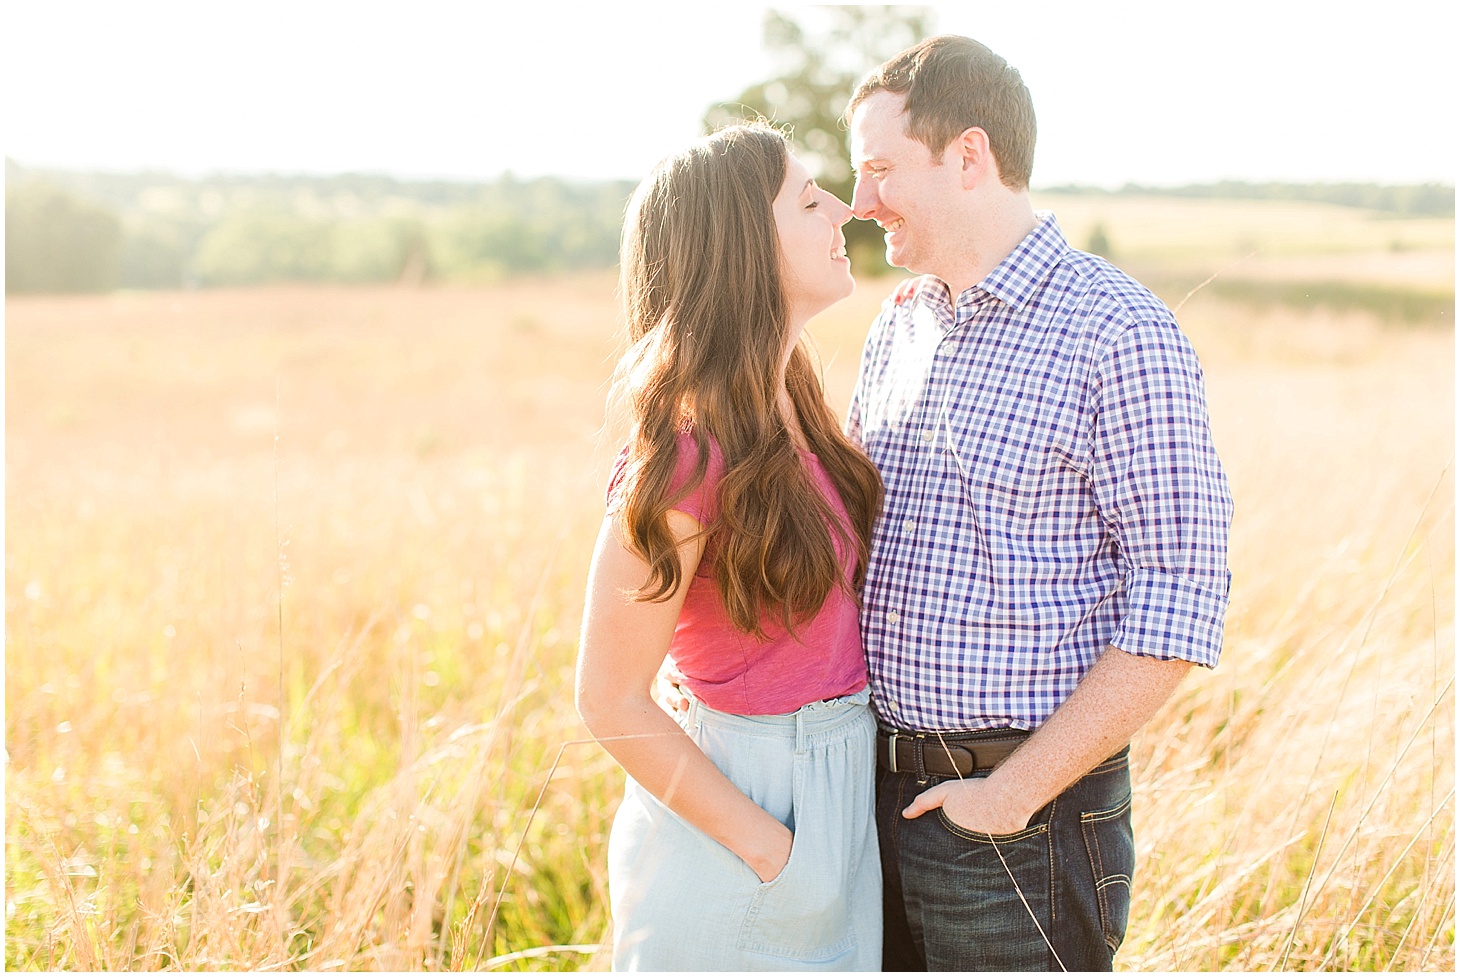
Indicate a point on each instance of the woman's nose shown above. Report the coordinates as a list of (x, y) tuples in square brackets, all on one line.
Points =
[(864, 197), (840, 213)]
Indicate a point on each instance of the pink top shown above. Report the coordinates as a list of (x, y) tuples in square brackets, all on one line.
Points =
[(733, 672)]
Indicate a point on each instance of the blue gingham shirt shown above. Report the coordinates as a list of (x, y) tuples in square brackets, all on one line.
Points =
[(1052, 489)]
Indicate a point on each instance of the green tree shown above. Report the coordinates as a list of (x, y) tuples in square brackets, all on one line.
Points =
[(156, 251), (56, 241), (249, 248), (817, 67), (255, 247)]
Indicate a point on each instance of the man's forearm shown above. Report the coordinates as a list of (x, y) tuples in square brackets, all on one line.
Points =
[(1118, 696)]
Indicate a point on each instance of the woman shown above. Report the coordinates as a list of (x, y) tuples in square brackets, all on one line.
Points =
[(737, 533)]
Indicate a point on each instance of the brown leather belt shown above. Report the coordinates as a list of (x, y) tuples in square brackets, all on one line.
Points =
[(946, 754)]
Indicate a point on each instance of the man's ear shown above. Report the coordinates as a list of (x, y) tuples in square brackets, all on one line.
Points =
[(975, 159)]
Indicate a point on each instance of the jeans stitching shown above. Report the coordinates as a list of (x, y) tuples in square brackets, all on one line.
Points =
[(1088, 821), (1049, 860), (983, 838), (1109, 813), (1092, 849), (1051, 904)]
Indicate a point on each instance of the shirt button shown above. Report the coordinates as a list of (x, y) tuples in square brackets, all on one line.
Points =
[(928, 436), (908, 525), (891, 617)]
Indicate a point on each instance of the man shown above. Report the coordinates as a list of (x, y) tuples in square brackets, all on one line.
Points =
[(1052, 554)]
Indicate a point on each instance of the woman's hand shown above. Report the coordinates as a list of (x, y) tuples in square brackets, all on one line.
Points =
[(771, 861), (623, 645), (668, 691)]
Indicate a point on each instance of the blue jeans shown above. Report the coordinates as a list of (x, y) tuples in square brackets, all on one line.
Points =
[(950, 899)]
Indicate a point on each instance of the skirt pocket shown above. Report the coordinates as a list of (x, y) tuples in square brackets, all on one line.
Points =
[(803, 913)]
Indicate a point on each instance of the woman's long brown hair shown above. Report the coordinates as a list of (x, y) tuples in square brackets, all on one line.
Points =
[(708, 323)]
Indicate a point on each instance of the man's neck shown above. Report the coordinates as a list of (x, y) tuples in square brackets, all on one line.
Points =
[(1004, 221)]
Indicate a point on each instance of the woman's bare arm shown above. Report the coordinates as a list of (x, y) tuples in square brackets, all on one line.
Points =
[(623, 644)]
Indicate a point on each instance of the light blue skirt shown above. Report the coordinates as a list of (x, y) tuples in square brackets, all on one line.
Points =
[(683, 901)]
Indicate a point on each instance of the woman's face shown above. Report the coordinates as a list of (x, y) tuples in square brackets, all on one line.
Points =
[(814, 263)]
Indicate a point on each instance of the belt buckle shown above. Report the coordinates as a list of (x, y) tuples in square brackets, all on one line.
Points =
[(892, 751)]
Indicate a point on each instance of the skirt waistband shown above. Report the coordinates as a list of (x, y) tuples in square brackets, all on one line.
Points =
[(813, 724)]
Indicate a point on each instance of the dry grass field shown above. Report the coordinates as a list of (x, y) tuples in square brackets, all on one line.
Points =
[(293, 578)]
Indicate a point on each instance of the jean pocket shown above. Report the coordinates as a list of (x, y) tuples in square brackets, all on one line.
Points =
[(1111, 847), (1038, 827), (983, 838)]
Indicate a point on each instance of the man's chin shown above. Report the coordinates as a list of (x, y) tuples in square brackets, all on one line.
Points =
[(907, 262)]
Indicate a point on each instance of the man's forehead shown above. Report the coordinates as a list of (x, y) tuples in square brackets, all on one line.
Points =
[(879, 126)]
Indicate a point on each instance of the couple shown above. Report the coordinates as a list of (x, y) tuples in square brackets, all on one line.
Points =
[(1019, 542)]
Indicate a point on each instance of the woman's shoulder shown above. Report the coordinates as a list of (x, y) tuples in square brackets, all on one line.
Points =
[(697, 474), (688, 451), (693, 485)]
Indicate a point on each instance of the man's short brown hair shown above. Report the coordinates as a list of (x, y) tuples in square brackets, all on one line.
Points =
[(954, 83)]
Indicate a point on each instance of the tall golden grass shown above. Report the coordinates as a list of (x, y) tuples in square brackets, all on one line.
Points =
[(293, 583)]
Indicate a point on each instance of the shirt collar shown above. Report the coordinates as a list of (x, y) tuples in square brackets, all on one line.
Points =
[(1015, 280)]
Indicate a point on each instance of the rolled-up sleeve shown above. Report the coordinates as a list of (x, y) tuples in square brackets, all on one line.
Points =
[(1163, 494)]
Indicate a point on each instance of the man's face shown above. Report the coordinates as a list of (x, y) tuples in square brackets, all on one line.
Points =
[(910, 193)]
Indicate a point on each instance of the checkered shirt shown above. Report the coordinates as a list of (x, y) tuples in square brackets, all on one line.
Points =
[(1052, 489)]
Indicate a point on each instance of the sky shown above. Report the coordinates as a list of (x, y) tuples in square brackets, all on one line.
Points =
[(1125, 91)]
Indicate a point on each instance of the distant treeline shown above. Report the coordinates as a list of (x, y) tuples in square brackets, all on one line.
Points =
[(76, 232), (72, 232), (1409, 200)]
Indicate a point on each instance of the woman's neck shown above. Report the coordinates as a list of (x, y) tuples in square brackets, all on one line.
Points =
[(787, 408), (784, 402)]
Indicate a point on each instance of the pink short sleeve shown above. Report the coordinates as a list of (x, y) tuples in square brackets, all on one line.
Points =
[(615, 479), (702, 502)]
